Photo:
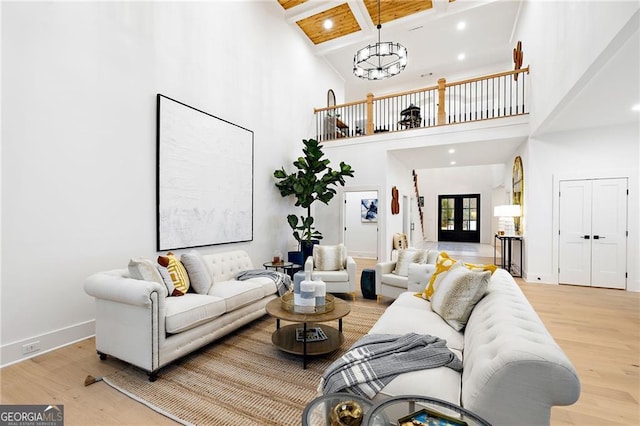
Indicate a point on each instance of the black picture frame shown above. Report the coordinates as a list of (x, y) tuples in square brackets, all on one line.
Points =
[(204, 178)]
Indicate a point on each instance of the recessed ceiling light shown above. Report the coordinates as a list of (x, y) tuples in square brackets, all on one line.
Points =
[(461, 57), (461, 25), (636, 107), (327, 24), (453, 163), (451, 151)]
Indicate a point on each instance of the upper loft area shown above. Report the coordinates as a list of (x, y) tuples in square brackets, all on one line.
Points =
[(488, 97)]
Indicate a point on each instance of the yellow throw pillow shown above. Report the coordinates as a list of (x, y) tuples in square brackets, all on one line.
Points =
[(443, 264), (176, 277), (480, 268)]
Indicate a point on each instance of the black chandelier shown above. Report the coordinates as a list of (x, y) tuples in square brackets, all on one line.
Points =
[(381, 60)]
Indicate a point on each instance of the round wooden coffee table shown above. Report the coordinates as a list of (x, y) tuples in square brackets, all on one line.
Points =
[(284, 338)]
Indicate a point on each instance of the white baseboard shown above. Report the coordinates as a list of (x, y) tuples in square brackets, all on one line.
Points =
[(540, 278), (11, 353)]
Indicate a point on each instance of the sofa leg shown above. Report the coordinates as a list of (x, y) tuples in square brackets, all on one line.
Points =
[(153, 376), (102, 356), (378, 299), (353, 296)]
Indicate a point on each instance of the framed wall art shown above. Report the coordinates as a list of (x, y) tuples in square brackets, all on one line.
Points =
[(204, 178), (369, 210)]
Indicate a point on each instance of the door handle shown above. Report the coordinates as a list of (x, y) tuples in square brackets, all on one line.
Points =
[(586, 237), (598, 237)]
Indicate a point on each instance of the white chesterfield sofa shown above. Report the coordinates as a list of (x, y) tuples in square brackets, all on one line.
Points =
[(137, 323), (513, 370)]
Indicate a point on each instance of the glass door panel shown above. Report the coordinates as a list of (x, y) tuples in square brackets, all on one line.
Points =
[(459, 218)]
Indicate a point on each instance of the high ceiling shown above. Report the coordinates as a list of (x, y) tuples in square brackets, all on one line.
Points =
[(427, 28)]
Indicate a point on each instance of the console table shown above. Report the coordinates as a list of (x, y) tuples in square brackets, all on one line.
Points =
[(506, 250)]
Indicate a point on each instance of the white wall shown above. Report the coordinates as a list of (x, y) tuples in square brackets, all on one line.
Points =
[(460, 180), (376, 166), (361, 238), (79, 81), (560, 40), (597, 152)]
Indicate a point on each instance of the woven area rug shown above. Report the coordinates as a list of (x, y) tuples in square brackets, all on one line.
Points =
[(241, 379)]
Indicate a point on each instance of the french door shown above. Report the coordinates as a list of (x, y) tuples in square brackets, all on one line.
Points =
[(593, 232), (459, 218)]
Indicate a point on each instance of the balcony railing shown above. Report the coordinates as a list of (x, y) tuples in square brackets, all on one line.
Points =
[(487, 97)]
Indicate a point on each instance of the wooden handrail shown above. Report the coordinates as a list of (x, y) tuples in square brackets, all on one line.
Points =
[(442, 103), (424, 89), (348, 104), (487, 77), (408, 92)]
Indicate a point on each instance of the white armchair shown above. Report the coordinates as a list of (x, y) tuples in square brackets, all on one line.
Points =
[(392, 281), (332, 265)]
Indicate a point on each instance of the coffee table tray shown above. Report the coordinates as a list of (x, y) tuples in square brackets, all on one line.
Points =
[(289, 305)]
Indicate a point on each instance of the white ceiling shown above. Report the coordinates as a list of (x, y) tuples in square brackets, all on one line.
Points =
[(494, 151), (603, 97), (433, 42)]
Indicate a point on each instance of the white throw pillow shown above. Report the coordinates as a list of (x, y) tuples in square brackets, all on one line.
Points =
[(419, 276), (405, 258), (144, 269), (457, 294), (197, 270), (329, 258)]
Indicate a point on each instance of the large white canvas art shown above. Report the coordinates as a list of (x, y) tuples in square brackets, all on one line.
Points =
[(204, 178)]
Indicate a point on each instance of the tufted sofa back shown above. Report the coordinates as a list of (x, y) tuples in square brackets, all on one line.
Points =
[(508, 354), (224, 266)]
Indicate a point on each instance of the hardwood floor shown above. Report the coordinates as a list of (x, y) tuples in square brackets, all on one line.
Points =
[(599, 330)]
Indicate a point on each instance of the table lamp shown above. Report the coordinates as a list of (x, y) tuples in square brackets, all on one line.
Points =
[(506, 213)]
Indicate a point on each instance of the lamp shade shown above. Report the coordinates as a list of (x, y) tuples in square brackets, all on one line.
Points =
[(507, 210)]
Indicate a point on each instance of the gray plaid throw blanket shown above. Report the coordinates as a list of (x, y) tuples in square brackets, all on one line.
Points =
[(283, 281), (376, 359)]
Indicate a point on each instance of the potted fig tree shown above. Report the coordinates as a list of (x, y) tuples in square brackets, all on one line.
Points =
[(313, 181)]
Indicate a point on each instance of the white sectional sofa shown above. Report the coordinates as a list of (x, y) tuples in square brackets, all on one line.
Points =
[(137, 323), (513, 370)]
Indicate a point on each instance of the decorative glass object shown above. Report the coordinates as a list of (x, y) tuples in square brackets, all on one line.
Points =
[(289, 305)]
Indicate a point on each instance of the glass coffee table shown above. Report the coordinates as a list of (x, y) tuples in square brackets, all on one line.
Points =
[(319, 412), (285, 338), (401, 410)]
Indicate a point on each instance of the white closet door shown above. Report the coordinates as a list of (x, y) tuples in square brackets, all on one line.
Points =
[(593, 232), (575, 232), (609, 228)]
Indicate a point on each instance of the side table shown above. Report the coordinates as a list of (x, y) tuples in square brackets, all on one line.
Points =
[(389, 411), (368, 283), (288, 268)]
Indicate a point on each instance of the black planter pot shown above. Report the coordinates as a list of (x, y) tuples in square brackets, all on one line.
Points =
[(307, 248)]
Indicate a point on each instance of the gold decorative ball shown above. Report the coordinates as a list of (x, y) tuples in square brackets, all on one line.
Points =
[(347, 413)]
